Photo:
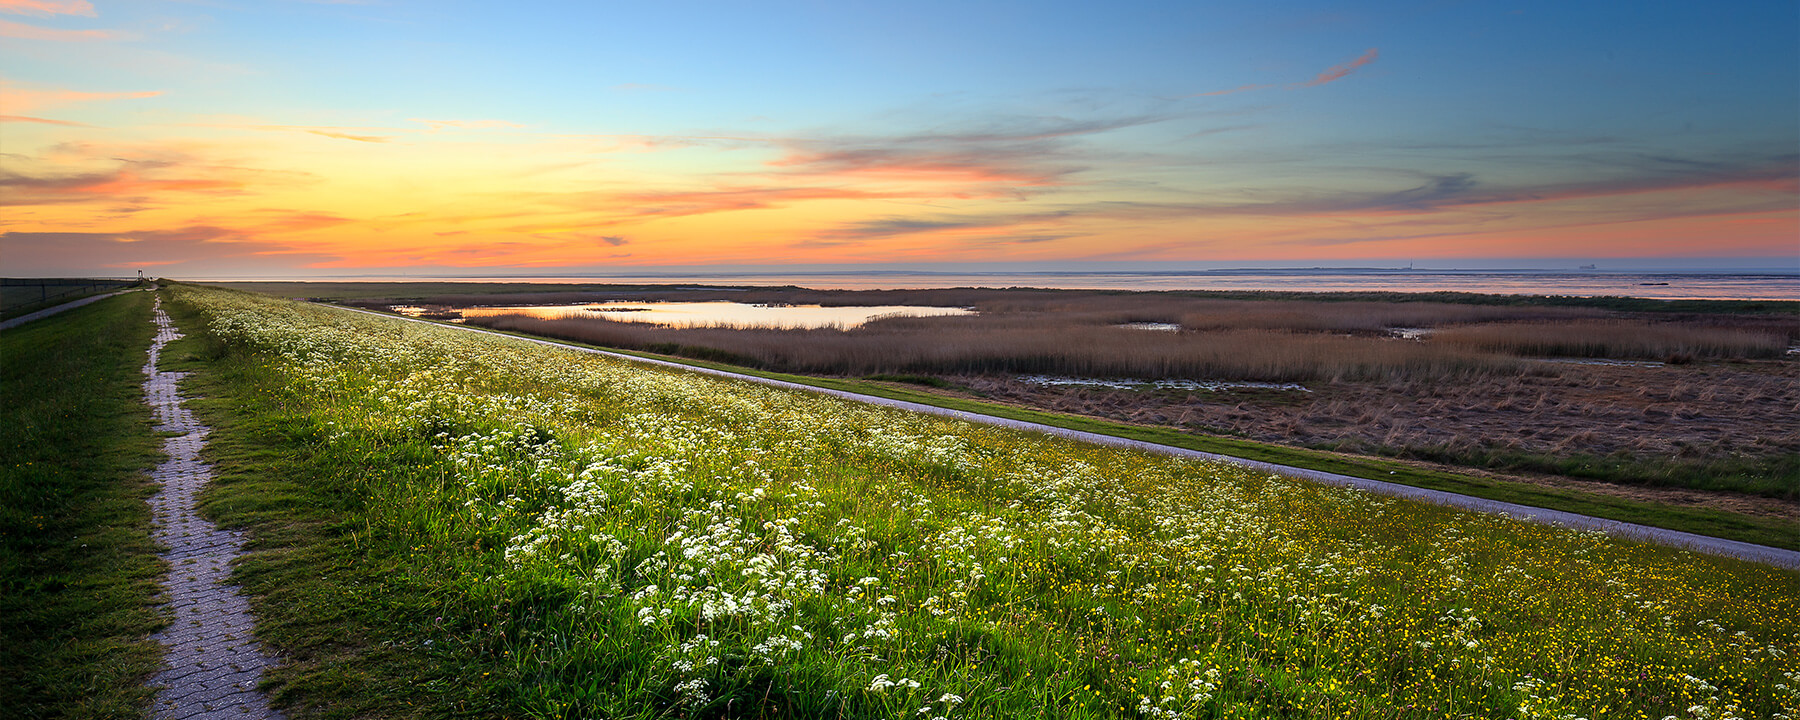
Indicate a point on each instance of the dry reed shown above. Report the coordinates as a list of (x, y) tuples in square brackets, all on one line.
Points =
[(1014, 345), (1624, 339)]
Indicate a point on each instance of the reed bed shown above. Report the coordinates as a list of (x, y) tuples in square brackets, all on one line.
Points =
[(578, 537), (1620, 339), (1025, 344), (1079, 333)]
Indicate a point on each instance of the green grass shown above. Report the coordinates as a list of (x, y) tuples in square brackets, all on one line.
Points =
[(16, 300), (336, 599), (489, 528), (77, 566), (1762, 530)]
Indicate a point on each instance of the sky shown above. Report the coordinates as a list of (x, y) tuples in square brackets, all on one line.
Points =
[(282, 138)]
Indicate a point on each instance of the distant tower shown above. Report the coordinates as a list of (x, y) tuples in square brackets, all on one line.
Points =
[(140, 276)]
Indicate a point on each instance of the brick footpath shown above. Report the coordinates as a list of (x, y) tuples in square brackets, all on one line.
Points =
[(213, 661)]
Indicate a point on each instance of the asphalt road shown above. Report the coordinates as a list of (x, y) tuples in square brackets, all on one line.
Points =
[(1642, 533), (54, 309)]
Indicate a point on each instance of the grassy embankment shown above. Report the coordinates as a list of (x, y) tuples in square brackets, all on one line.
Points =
[(77, 566), (514, 531), (1474, 393), (1260, 342), (1774, 532), (1479, 354)]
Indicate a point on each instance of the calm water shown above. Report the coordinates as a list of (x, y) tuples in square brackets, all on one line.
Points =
[(1668, 286), (702, 314)]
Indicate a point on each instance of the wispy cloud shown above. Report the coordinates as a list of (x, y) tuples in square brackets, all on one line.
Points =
[(680, 203), (22, 31), (46, 121), (1722, 188), (20, 98), (988, 228), (1337, 72), (1331, 74), (894, 226), (122, 184), (287, 221), (1010, 155), (47, 8), (78, 173), (348, 136)]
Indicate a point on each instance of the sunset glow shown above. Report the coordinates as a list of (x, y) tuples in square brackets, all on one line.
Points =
[(333, 138)]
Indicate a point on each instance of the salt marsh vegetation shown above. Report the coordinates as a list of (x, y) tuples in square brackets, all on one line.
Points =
[(583, 537)]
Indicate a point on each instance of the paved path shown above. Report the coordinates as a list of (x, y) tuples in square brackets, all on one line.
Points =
[(213, 661), (1675, 538), (47, 312)]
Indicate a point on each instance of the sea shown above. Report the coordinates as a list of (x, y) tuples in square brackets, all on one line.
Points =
[(1655, 285)]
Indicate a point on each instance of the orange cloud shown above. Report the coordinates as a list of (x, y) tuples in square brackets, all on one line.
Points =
[(19, 99), (701, 202), (282, 221), (1337, 72), (46, 121), (22, 31), (133, 182), (47, 8)]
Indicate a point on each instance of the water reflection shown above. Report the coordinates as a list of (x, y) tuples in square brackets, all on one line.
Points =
[(719, 313)]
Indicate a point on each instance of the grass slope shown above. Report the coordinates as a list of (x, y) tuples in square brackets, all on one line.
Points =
[(1773, 532), (77, 566), (450, 524)]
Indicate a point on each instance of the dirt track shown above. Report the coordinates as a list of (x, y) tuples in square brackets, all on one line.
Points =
[(213, 661)]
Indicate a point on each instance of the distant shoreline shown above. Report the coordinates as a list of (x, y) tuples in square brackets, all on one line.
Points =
[(1658, 285)]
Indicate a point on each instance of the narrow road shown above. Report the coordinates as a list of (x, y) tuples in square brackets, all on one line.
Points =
[(213, 661), (1643, 533)]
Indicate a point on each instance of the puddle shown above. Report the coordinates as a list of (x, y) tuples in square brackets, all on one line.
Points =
[(1159, 327), (1406, 333), (1118, 384)]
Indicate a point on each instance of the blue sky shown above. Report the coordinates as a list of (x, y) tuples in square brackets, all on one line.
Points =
[(308, 137)]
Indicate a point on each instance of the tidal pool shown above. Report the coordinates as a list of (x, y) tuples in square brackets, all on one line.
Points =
[(720, 313)]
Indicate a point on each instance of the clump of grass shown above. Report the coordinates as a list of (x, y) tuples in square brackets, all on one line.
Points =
[(569, 536), (77, 566)]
